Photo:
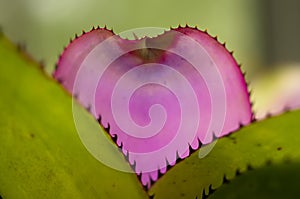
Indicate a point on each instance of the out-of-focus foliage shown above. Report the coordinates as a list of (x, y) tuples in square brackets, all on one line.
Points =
[(46, 26)]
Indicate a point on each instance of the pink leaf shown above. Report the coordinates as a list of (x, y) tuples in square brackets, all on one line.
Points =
[(162, 97)]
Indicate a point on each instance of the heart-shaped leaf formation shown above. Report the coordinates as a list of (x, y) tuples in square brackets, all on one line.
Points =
[(160, 98)]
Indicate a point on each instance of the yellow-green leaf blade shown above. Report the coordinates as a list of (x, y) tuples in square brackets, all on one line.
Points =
[(274, 139), (41, 155)]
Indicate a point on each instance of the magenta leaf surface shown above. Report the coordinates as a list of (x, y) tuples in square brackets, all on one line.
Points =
[(160, 97)]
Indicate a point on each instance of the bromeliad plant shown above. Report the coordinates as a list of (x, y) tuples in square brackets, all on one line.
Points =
[(202, 94)]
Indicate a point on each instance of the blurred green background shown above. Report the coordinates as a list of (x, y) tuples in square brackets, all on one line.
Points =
[(264, 34), (46, 26)]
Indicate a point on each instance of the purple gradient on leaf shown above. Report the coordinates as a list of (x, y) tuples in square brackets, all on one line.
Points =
[(154, 100)]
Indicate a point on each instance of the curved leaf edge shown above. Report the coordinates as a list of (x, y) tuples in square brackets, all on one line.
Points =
[(210, 191), (21, 51), (113, 137), (226, 178), (250, 171)]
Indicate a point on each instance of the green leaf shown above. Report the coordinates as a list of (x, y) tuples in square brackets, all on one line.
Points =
[(275, 139), (273, 181), (41, 155)]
